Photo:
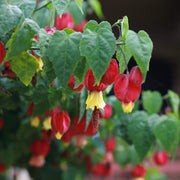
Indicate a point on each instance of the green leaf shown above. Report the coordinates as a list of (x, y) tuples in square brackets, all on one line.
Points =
[(9, 18), (81, 70), (140, 133), (25, 66), (41, 101), (124, 27), (42, 17), (54, 96), (64, 54), (152, 101), (60, 5), (89, 113), (96, 6), (76, 13), (140, 46), (44, 44), (98, 46), (175, 101), (167, 131), (21, 39), (82, 102), (122, 55), (79, 5), (26, 6)]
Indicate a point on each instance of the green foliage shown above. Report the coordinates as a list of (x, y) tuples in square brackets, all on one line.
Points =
[(96, 6), (21, 38), (175, 101), (64, 53), (79, 4), (123, 56), (26, 6), (98, 46), (140, 46), (66, 58), (167, 131), (139, 132), (124, 27), (60, 5), (152, 101), (10, 16), (25, 66)]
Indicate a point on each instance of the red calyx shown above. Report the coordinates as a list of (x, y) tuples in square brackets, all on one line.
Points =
[(48, 135), (110, 144), (80, 27), (127, 88), (67, 136), (60, 122), (2, 52), (7, 65), (2, 168), (110, 75), (39, 147), (71, 84), (139, 171), (1, 122), (107, 112), (30, 109), (90, 82), (80, 128), (66, 21), (161, 158)]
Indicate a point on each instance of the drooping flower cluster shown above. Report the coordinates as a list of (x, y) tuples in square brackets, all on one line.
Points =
[(79, 130), (127, 88)]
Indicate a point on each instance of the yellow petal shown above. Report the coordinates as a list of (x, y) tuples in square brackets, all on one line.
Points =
[(95, 98), (127, 108), (139, 179), (40, 63), (47, 123), (58, 135), (35, 122)]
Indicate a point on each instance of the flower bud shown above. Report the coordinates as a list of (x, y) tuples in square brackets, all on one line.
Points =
[(60, 123), (2, 52), (1, 122)]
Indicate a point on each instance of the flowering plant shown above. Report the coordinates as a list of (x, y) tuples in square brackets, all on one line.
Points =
[(69, 105)]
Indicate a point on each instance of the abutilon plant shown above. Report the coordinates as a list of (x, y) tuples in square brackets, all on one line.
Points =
[(138, 171), (71, 84), (1, 123), (39, 149), (127, 88), (60, 122), (80, 27), (2, 52), (95, 97), (2, 168), (160, 158), (65, 21), (107, 113)]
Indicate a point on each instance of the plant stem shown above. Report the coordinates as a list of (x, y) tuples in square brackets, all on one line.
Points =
[(34, 48), (124, 58), (43, 6), (5, 91)]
